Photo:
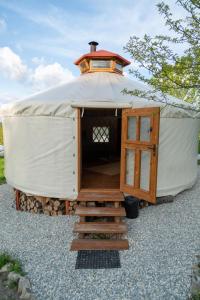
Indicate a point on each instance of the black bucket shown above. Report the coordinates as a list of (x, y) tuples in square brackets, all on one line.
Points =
[(131, 205)]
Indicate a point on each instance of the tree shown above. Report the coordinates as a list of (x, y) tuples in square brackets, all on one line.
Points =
[(168, 71)]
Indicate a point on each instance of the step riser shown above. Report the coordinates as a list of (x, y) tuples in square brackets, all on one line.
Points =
[(106, 228), (84, 244), (100, 231), (99, 200), (100, 212)]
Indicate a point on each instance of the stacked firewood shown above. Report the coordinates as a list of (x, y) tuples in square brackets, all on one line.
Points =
[(53, 207), (30, 204), (71, 207), (46, 205)]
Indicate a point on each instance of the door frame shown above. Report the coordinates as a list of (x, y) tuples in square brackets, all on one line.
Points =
[(79, 145), (79, 156)]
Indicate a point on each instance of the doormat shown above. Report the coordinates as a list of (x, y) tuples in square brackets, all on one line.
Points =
[(98, 259)]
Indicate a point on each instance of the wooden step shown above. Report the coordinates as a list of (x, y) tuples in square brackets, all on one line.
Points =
[(87, 244), (100, 227), (102, 196), (100, 211)]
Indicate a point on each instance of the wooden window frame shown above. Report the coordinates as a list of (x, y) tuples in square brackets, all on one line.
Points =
[(114, 66), (86, 69), (90, 69)]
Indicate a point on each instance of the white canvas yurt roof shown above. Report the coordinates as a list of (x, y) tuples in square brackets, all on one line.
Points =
[(98, 89)]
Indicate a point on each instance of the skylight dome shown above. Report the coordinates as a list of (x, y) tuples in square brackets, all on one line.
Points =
[(101, 61)]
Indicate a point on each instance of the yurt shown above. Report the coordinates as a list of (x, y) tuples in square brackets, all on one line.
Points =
[(88, 136)]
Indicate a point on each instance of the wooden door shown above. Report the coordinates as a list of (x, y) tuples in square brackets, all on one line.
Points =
[(139, 152)]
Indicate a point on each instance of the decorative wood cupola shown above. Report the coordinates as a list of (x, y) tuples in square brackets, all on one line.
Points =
[(101, 61)]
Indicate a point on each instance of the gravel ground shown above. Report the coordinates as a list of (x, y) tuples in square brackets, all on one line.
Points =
[(163, 243)]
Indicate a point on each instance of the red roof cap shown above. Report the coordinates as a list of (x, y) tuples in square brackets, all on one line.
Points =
[(104, 54)]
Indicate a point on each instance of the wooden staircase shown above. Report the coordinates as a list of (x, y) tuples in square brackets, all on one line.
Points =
[(108, 206)]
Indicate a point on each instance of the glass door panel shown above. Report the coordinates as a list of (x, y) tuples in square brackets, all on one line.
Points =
[(132, 123), (145, 129), (145, 170), (130, 166)]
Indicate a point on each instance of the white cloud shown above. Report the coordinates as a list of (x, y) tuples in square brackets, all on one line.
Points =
[(67, 32), (73, 30), (45, 76), (3, 25), (11, 64), (41, 77), (38, 60), (6, 97)]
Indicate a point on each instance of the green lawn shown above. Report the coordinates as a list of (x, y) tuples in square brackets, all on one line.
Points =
[(1, 135), (199, 152), (2, 178)]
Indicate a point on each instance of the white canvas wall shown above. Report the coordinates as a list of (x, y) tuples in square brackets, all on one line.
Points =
[(41, 155), (177, 160)]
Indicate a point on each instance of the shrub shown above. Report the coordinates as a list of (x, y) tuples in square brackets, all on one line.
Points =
[(4, 259), (15, 265)]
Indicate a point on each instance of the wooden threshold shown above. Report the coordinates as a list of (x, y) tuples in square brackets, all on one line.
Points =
[(99, 190), (103, 196)]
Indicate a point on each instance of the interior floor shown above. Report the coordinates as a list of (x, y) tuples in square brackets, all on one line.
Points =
[(101, 143), (101, 175)]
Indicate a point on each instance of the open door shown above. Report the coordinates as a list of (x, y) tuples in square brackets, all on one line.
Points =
[(139, 152)]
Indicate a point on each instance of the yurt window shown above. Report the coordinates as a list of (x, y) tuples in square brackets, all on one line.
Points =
[(84, 66), (101, 134), (118, 67), (102, 64)]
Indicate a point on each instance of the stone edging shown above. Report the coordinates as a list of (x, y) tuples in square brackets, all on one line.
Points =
[(23, 283), (195, 280)]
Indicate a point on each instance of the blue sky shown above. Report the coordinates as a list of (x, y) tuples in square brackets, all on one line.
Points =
[(39, 40)]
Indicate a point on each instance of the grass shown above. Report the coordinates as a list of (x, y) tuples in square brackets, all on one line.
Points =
[(199, 147), (4, 259), (2, 178), (15, 265), (196, 297), (1, 134)]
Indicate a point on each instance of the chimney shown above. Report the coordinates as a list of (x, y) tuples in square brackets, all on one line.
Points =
[(93, 46)]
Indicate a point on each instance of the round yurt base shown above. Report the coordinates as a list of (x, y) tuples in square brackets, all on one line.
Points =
[(44, 205)]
